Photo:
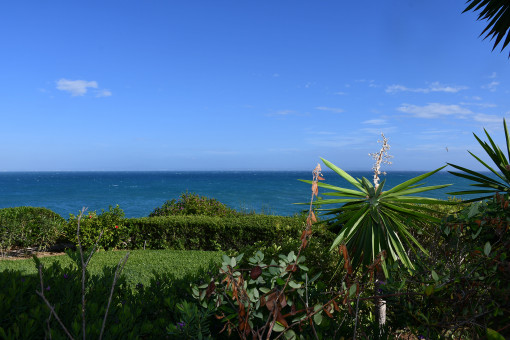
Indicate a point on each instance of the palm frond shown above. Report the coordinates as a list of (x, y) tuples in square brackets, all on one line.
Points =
[(497, 13)]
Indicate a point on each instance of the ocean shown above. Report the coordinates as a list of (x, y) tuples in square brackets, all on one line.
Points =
[(138, 193)]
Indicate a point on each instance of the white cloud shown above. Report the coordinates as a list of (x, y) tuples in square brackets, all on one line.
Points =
[(434, 87), (491, 86), (76, 87), (434, 110), (331, 109), (341, 93), (484, 118), (493, 75), (375, 122), (485, 105), (104, 93), (284, 112)]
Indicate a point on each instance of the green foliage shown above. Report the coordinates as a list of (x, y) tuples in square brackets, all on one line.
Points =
[(193, 204), (209, 233), (318, 256), (490, 186), (461, 290), (23, 227), (194, 323), (497, 12), (110, 222), (245, 300), (373, 220), (143, 312)]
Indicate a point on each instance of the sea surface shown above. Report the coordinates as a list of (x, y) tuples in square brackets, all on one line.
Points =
[(138, 193)]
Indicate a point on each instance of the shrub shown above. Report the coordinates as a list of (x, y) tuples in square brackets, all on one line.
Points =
[(22, 227), (111, 223), (193, 204), (209, 233)]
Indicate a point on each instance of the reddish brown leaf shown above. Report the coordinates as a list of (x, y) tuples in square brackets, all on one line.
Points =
[(281, 319), (291, 268), (315, 188), (255, 272), (327, 309), (210, 289), (320, 178), (335, 305)]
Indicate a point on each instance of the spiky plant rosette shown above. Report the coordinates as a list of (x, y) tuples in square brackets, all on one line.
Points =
[(373, 220), (488, 185)]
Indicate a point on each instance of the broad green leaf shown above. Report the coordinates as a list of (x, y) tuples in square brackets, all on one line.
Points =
[(493, 335), (317, 318), (435, 276), (487, 248), (278, 327), (352, 290)]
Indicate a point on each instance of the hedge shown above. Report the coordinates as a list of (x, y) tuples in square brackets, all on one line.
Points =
[(22, 227), (210, 233)]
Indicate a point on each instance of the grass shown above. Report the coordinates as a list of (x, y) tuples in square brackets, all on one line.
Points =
[(139, 267)]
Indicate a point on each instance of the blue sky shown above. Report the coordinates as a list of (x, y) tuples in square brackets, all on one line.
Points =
[(244, 85)]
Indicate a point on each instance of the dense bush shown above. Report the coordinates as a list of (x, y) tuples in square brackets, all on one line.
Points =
[(209, 233), (22, 227), (110, 222), (193, 204)]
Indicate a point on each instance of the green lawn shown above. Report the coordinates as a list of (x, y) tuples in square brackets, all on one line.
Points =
[(139, 267)]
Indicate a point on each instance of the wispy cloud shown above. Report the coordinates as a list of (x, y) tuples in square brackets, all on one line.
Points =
[(492, 86), (330, 109), (375, 121), (81, 87), (284, 112), (484, 105), (104, 93), (434, 87), (434, 110), (484, 118), (338, 141)]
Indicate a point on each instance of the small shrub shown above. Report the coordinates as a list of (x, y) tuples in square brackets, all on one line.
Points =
[(193, 204), (111, 223), (22, 227)]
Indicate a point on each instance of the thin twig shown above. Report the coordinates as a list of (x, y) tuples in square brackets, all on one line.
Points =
[(52, 310), (117, 274)]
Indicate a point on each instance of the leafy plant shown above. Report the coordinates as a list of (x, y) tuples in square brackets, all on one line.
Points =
[(194, 322), (373, 220), (29, 227), (193, 204), (488, 185), (497, 12), (110, 224)]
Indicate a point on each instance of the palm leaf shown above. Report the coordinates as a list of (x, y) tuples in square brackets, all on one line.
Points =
[(497, 13), (412, 181), (344, 174)]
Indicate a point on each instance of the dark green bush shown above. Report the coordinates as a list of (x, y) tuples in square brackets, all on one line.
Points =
[(193, 204), (22, 227), (110, 222), (209, 233)]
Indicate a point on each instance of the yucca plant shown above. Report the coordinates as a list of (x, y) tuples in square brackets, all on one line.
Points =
[(373, 220), (488, 185)]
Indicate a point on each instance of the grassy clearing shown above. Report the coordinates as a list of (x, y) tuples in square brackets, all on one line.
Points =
[(139, 268)]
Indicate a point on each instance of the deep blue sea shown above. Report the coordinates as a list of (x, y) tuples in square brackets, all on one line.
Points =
[(138, 193)]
